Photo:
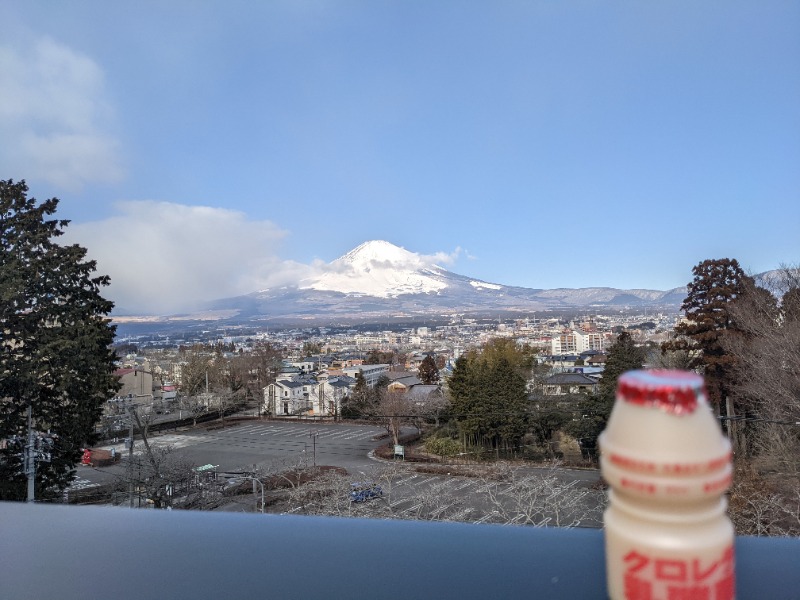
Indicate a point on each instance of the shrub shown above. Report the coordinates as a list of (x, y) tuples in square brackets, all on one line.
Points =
[(443, 446)]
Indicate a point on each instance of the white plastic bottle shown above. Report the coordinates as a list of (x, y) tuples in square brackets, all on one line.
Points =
[(668, 467)]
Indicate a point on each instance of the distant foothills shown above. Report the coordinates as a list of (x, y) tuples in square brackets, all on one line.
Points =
[(382, 283)]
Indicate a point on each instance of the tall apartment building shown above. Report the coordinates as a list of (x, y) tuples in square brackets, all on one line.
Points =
[(576, 341)]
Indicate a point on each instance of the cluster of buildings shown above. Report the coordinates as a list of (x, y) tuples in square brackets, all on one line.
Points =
[(315, 386)]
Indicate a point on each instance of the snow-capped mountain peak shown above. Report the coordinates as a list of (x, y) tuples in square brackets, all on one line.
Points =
[(381, 269), (378, 251), (377, 279)]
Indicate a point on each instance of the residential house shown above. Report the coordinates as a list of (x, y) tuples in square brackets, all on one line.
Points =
[(423, 394), (287, 397), (597, 360), (402, 381), (559, 361), (305, 366), (568, 383), (329, 392), (320, 397), (136, 384)]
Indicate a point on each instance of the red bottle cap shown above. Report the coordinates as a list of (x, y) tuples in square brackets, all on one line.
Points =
[(676, 392)]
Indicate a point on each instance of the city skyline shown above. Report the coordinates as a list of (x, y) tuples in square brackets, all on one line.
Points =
[(205, 151)]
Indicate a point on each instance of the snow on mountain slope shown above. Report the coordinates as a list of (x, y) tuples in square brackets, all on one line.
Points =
[(483, 285), (381, 269), (379, 278)]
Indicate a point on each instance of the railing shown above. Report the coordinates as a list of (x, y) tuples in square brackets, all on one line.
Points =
[(91, 552)]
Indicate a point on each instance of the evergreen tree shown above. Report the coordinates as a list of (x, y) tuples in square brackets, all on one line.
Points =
[(716, 285), (466, 396), (623, 355), (509, 403), (522, 360), (55, 344), (488, 398), (357, 402), (428, 372)]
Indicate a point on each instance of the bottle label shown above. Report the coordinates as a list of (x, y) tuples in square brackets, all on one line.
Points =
[(652, 467), (647, 577)]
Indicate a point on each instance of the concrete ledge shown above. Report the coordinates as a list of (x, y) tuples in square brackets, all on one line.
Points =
[(50, 551)]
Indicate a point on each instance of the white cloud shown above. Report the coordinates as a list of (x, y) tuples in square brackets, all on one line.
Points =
[(54, 117), (442, 258), (166, 258)]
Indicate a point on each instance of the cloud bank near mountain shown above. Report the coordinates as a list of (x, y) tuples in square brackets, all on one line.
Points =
[(165, 258)]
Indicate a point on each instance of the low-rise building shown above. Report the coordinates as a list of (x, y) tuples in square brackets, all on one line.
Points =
[(318, 398), (569, 383), (371, 373)]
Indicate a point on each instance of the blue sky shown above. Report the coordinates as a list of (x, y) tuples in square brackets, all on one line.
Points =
[(207, 149)]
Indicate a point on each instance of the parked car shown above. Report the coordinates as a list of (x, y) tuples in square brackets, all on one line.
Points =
[(364, 490)]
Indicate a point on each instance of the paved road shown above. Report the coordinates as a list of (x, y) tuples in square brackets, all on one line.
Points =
[(264, 443), (272, 444), (238, 447)]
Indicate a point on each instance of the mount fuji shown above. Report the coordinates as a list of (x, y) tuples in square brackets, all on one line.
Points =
[(379, 279), (379, 269)]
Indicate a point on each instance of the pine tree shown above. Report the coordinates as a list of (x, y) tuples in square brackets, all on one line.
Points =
[(358, 403), (489, 399), (463, 387), (716, 285), (55, 351), (509, 404), (623, 355), (428, 372)]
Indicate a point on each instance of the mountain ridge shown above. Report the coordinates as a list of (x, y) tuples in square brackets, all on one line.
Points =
[(378, 277)]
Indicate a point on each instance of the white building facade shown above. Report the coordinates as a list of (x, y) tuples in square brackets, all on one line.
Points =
[(371, 373), (576, 341), (318, 399)]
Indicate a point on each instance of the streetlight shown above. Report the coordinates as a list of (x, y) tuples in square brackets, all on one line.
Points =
[(255, 480)]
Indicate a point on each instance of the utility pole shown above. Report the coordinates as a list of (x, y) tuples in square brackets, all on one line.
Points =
[(130, 460), (313, 436), (30, 459)]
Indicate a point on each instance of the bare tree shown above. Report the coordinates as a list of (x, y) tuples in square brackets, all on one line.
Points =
[(669, 359), (262, 365), (526, 497), (326, 494), (760, 507), (195, 406), (432, 407), (765, 498), (768, 358), (228, 401), (195, 371), (499, 495), (393, 409), (159, 475)]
